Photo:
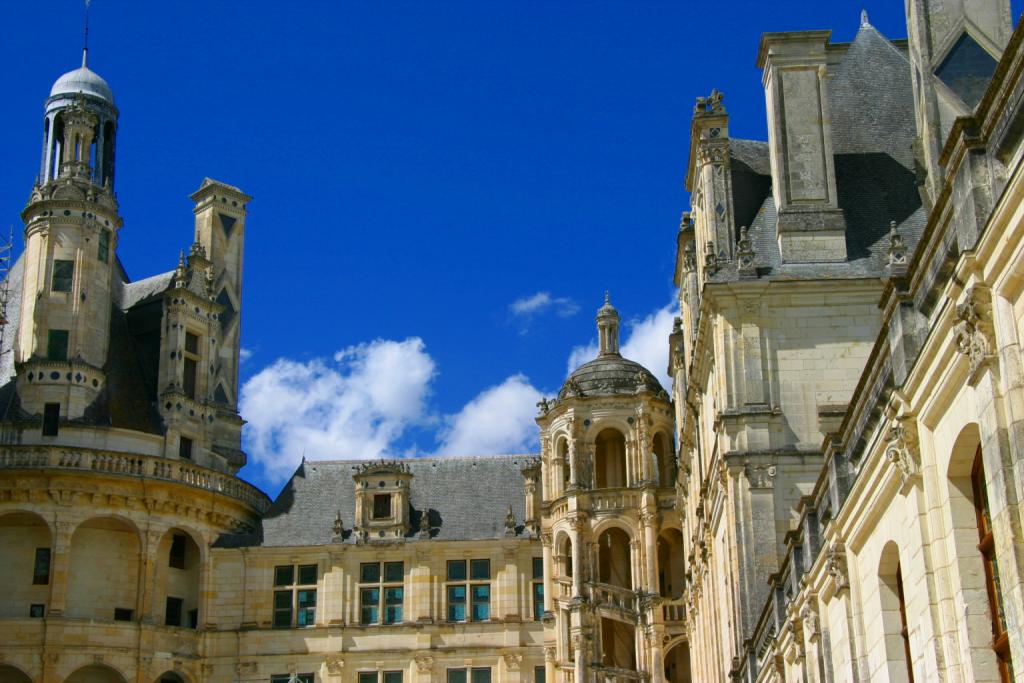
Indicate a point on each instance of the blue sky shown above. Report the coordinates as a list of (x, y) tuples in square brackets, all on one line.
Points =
[(443, 190)]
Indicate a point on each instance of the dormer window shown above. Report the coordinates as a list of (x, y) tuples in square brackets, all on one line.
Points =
[(190, 369), (381, 506)]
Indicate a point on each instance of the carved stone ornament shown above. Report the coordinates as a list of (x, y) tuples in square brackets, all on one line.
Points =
[(335, 664), (689, 258), (337, 529), (897, 248), (745, 254), (510, 522), (836, 566), (424, 662), (902, 449), (710, 259), (812, 624), (578, 522), (712, 104), (760, 476), (424, 531), (546, 539), (512, 661), (550, 653), (543, 406), (973, 333)]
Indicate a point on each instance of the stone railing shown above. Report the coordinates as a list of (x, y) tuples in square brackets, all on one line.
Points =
[(131, 465), (673, 611), (563, 588), (602, 500), (613, 674), (615, 597)]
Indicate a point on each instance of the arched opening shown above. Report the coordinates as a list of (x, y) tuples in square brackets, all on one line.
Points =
[(56, 144), (665, 456), (563, 556), (107, 170), (618, 644), (610, 459), (894, 616), (25, 571), (9, 674), (671, 564), (178, 580), (613, 558), (677, 663), (562, 476), (95, 674), (170, 677), (976, 559), (103, 573)]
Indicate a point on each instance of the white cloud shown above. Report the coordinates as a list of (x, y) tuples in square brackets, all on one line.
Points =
[(498, 420), (525, 309), (354, 407), (646, 343), (244, 354)]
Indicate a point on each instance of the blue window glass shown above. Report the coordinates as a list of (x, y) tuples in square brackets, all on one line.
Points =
[(370, 602), (392, 605), (481, 602), (306, 614), (456, 603)]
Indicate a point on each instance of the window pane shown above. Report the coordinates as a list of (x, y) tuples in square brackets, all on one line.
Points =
[(456, 570), (369, 601), (367, 677), (538, 567), (307, 598), (189, 378), (282, 618), (392, 677), (304, 678), (282, 599), (369, 573), (456, 676), (481, 675), (538, 674), (63, 273), (191, 343), (481, 602), (480, 569), (538, 601), (57, 345), (394, 571), (306, 616), (281, 678), (172, 613), (283, 576), (103, 249), (393, 606), (381, 506), (456, 603), (41, 569), (307, 574)]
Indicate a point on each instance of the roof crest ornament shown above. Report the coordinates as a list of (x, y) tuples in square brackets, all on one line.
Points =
[(864, 23), (85, 37)]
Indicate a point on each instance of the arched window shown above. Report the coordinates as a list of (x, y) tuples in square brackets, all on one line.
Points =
[(987, 548), (610, 459), (894, 616), (25, 571), (564, 557), (563, 460), (613, 558)]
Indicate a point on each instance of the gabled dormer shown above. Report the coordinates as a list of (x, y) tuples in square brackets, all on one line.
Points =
[(382, 501)]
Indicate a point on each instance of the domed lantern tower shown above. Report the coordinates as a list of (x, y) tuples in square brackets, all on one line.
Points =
[(608, 473), (71, 226)]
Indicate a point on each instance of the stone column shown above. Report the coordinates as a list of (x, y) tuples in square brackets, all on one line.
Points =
[(580, 648), (147, 575), (576, 530), (657, 656), (549, 584), (508, 587), (61, 560), (550, 655), (418, 598), (648, 522), (635, 563)]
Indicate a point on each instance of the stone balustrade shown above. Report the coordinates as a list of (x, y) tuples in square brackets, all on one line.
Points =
[(132, 465), (673, 611), (614, 597), (611, 674), (609, 500)]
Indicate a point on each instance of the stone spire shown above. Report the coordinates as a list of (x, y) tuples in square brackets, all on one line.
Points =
[(608, 328)]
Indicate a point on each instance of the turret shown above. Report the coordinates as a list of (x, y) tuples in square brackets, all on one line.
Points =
[(71, 227)]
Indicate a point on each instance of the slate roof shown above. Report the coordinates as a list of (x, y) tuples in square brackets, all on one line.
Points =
[(610, 375), (872, 108), (465, 498)]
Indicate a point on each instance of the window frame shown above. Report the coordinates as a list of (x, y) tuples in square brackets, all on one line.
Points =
[(41, 578), (288, 596), (382, 586), (379, 675), (58, 344), (469, 587), (288, 678), (179, 604), (538, 588), (469, 674), (191, 356), (103, 246), (66, 280), (51, 419)]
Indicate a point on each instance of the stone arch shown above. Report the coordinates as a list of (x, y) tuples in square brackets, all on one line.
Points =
[(103, 569), (983, 614), (179, 564), (677, 662), (96, 673), (12, 674), (665, 456), (615, 558), (671, 564), (27, 544), (561, 478), (624, 523), (610, 459), (172, 677), (563, 554), (893, 617)]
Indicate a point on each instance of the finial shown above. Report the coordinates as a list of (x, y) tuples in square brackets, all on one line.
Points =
[(607, 298), (608, 328), (864, 18)]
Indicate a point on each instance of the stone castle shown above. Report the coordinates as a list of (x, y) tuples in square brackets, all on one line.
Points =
[(831, 489)]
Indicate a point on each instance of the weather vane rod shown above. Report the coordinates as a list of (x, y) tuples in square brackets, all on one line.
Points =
[(85, 35)]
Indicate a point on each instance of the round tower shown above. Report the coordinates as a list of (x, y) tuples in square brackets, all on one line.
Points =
[(71, 227), (608, 475)]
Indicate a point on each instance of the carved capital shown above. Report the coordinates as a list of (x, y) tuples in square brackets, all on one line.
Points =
[(760, 476), (973, 332), (424, 663), (836, 566), (512, 661), (335, 664), (903, 450)]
